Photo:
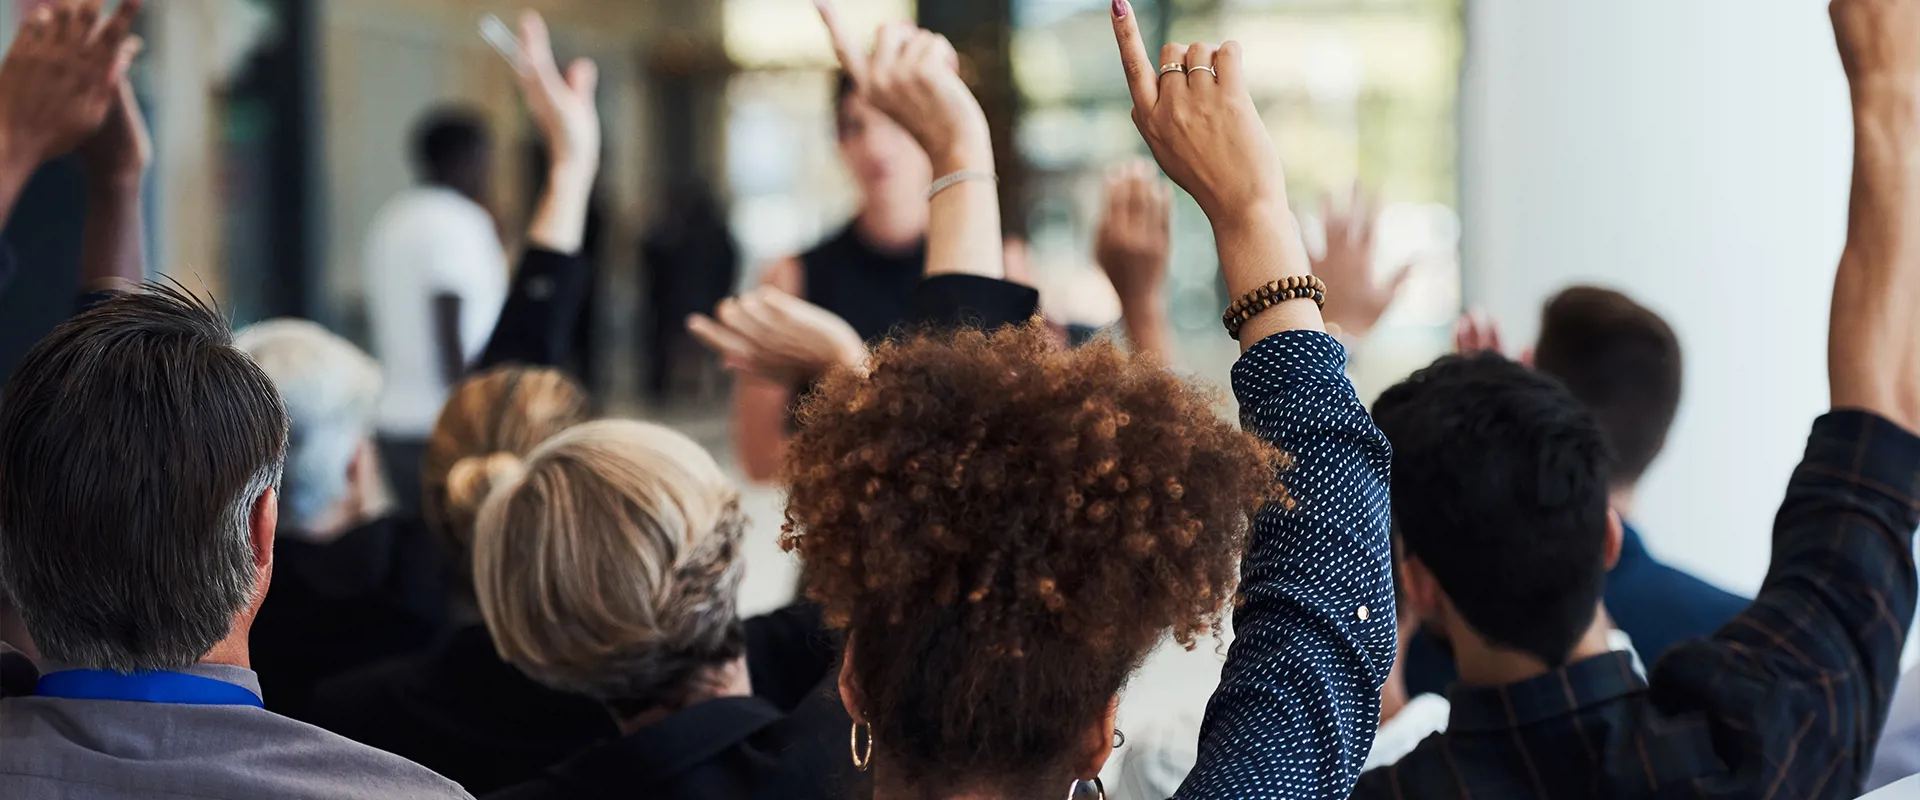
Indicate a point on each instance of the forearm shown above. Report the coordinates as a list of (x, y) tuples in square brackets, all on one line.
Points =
[(560, 218), (1874, 345), (963, 226), (113, 244), (1258, 246), (1148, 327)]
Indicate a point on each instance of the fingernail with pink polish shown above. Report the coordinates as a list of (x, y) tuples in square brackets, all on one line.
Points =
[(1120, 8)]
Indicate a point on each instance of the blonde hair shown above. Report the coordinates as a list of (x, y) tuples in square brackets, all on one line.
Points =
[(606, 564), (491, 419)]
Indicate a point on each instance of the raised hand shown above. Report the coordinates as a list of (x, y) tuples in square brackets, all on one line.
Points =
[(774, 335), (1136, 233), (1355, 301), (119, 153), (61, 79), (563, 107), (1201, 124), (562, 104), (1477, 333), (913, 77)]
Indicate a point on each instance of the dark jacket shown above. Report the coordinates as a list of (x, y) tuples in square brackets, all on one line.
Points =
[(458, 710), (376, 592)]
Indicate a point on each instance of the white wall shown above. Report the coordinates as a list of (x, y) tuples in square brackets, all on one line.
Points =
[(1696, 155)]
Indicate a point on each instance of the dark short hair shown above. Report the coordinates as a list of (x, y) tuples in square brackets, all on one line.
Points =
[(1623, 361), (1500, 489), (134, 442), (449, 143)]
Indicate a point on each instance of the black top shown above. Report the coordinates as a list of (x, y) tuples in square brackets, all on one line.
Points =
[(458, 710), (1785, 701), (542, 313), (376, 592), (871, 290)]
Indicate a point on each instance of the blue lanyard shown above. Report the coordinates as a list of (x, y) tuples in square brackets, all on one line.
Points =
[(145, 687)]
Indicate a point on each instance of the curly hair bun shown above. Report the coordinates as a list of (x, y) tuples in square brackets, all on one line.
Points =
[(475, 477), (1006, 527)]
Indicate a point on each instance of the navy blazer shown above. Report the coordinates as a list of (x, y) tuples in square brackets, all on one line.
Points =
[(1658, 605)]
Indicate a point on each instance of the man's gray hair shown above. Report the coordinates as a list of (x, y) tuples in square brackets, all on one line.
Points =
[(331, 390), (135, 444)]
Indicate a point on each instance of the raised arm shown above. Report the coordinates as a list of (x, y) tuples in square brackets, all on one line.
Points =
[(1820, 646), (551, 287), (1132, 246), (1299, 697), (913, 77), (113, 245), (1873, 349), (64, 74)]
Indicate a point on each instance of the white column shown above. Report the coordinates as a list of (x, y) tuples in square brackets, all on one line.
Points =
[(1696, 155)]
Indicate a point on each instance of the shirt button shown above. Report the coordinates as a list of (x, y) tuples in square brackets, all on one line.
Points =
[(1363, 613)]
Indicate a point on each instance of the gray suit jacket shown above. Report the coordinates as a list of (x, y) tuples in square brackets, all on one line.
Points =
[(62, 749)]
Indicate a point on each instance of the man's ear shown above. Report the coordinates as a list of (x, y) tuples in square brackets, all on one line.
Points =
[(1420, 592), (260, 526), (1616, 537)]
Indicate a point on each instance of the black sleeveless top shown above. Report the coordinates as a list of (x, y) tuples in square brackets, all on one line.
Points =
[(871, 290)]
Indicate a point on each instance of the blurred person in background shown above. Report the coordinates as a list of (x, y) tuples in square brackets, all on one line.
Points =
[(436, 277), (692, 263), (352, 583), (865, 274)]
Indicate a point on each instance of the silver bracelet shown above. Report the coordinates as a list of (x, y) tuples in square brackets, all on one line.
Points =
[(962, 176)]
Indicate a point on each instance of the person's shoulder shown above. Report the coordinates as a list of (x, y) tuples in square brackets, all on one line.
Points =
[(297, 748), (1412, 775)]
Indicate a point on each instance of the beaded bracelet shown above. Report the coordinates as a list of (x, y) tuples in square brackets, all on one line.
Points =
[(1250, 305)]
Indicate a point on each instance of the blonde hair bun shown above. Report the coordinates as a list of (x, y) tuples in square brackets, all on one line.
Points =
[(474, 477)]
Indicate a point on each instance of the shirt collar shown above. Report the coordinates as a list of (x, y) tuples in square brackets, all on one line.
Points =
[(672, 746), (1556, 694), (238, 676)]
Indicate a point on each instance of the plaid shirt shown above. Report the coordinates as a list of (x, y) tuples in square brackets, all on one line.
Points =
[(1786, 701)]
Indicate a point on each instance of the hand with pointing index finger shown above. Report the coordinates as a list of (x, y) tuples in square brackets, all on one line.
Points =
[(1200, 122), (912, 76)]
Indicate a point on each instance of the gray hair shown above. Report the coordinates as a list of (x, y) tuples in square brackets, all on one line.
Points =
[(331, 389), (135, 443)]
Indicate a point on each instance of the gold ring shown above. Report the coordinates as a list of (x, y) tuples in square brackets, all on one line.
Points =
[(1172, 68)]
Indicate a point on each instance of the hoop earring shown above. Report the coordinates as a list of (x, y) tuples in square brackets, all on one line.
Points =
[(1119, 738), (1099, 789), (863, 758)]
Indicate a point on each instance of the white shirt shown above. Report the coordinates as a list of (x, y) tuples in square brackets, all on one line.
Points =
[(1906, 789), (1899, 752), (428, 241)]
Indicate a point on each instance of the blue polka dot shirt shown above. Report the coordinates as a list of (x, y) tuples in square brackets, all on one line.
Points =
[(1299, 697)]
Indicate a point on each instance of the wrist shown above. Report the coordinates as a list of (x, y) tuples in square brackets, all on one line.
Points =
[(573, 174), (968, 156)]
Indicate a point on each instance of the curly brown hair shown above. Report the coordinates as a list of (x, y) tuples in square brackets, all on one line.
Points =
[(1006, 527)]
